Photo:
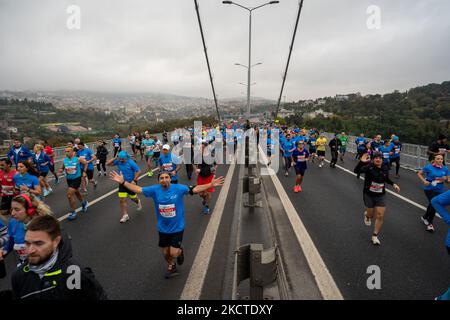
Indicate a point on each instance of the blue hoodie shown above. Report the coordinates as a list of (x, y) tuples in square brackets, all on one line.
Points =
[(23, 154), (16, 232), (439, 203)]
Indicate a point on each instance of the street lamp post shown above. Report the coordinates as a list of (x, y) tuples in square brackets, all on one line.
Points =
[(250, 10)]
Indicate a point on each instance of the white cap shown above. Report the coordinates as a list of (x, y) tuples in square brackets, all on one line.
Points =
[(166, 147)]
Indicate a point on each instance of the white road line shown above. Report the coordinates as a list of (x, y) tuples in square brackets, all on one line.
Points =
[(106, 195), (322, 276), (194, 284), (389, 191)]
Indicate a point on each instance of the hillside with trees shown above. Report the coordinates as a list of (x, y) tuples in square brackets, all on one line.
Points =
[(417, 115)]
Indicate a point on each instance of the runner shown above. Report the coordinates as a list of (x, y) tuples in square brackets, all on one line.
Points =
[(334, 145), (344, 140), (117, 144), (300, 157), (149, 144), (376, 143), (205, 174), (7, 185), (167, 163), (27, 180), (88, 168), (51, 153), (130, 171), (438, 147), (439, 203), (71, 165), (156, 151), (287, 147), (433, 177), (169, 209), (312, 146), (376, 176), (138, 144), (42, 163), (18, 152), (395, 157), (132, 141), (321, 147), (387, 149), (101, 155), (360, 146)]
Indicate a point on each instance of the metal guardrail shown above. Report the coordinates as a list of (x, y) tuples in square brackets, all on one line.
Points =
[(412, 156)]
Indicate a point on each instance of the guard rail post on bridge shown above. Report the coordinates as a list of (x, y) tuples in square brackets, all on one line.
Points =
[(258, 265)]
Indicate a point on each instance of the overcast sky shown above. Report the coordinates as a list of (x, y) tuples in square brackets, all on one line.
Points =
[(155, 46)]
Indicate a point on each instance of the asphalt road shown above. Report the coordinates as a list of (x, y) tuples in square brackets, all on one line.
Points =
[(414, 263)]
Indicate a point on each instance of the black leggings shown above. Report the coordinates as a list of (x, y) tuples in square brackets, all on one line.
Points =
[(397, 164), (103, 164), (431, 212)]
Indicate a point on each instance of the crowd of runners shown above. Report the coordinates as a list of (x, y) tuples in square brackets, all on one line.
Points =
[(25, 185)]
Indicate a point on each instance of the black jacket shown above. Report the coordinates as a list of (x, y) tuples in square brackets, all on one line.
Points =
[(334, 145), (375, 179), (102, 153), (27, 285)]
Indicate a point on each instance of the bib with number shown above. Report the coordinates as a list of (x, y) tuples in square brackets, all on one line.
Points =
[(167, 210)]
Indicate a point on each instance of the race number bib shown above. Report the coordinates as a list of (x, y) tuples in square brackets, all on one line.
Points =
[(8, 190), (71, 170), (301, 158), (167, 167), (21, 250), (376, 187), (442, 150), (386, 155), (167, 210), (116, 144)]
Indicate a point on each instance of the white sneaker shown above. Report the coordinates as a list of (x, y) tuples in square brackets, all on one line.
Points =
[(425, 221), (375, 240), (367, 221), (125, 218), (139, 205)]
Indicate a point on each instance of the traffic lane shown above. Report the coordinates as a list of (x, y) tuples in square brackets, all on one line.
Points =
[(414, 264), (410, 184), (125, 257)]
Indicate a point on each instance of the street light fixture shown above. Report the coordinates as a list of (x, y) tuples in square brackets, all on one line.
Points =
[(249, 67)]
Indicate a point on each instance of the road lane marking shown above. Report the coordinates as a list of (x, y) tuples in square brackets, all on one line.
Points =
[(106, 195), (194, 283), (322, 275)]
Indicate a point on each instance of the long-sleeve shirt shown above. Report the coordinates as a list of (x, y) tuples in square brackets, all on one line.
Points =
[(375, 179)]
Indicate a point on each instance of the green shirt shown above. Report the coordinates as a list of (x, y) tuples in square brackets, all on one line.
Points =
[(344, 140)]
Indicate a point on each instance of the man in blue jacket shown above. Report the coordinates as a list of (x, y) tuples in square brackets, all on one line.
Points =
[(439, 203), (19, 153)]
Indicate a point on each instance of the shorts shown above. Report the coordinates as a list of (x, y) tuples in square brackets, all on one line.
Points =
[(312, 150), (156, 155), (74, 183), (52, 167), (90, 174), (149, 156), (170, 239), (342, 149), (205, 180), (321, 153), (43, 174), (373, 201), (300, 171), (5, 205), (124, 193)]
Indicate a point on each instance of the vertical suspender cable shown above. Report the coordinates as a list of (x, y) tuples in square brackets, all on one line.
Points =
[(289, 57), (207, 60)]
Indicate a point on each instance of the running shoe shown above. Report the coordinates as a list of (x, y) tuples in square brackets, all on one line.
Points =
[(104, 173), (299, 188), (50, 190), (180, 258), (425, 221), (84, 206), (286, 174), (99, 174), (56, 180), (367, 221), (376, 241), (295, 189), (430, 228), (124, 218), (72, 216), (84, 191), (139, 205), (150, 173), (171, 271), (95, 184), (46, 193), (205, 210)]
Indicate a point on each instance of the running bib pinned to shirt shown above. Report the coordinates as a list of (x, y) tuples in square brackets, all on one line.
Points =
[(71, 170), (376, 187), (167, 167), (8, 190), (386, 155), (301, 158), (167, 210)]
